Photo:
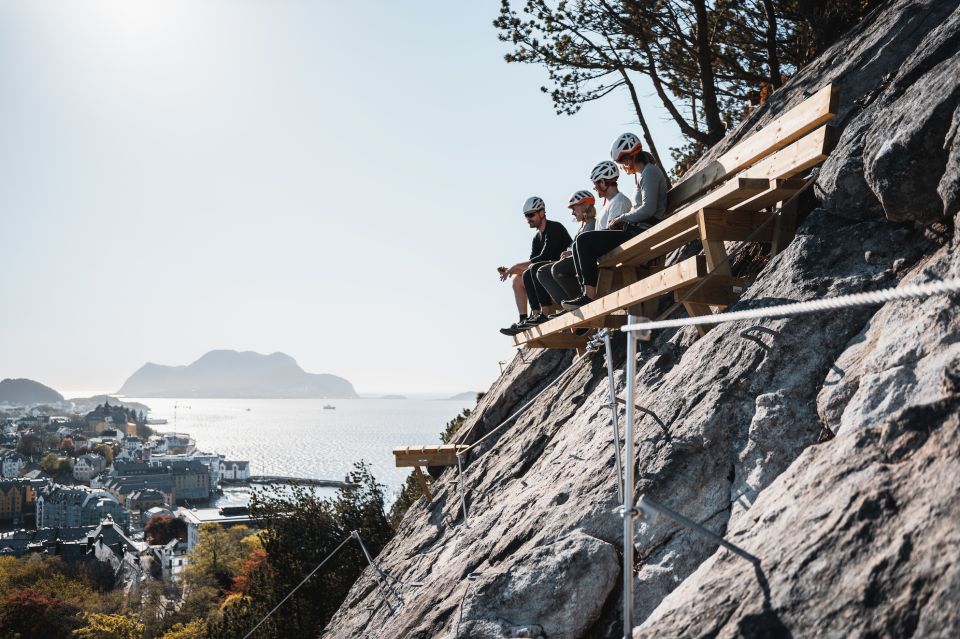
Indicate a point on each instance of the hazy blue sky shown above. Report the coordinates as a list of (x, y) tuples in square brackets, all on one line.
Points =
[(337, 181)]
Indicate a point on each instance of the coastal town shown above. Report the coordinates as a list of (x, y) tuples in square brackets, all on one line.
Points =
[(104, 491)]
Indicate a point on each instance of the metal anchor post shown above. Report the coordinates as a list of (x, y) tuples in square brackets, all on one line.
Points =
[(463, 500), (628, 511), (613, 413), (382, 576)]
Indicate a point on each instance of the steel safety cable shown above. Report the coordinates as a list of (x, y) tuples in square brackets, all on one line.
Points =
[(873, 298), (297, 587)]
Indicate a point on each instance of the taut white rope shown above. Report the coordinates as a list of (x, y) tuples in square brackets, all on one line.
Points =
[(911, 291)]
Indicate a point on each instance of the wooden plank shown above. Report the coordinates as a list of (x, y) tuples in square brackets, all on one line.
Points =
[(806, 152), (413, 456), (669, 279), (779, 190), (559, 340), (604, 281), (734, 226), (784, 228), (680, 228), (697, 310), (781, 132), (715, 292), (424, 486)]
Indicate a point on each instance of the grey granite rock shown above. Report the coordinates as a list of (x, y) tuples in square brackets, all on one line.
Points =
[(859, 537), (858, 534)]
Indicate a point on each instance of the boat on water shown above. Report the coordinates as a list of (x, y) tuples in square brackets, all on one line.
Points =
[(329, 407)]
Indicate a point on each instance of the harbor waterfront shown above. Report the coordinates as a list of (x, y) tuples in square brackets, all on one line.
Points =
[(299, 438)]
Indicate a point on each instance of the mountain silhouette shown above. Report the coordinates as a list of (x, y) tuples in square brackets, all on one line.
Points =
[(235, 374)]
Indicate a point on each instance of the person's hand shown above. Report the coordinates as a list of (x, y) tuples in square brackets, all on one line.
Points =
[(516, 269), (566, 254), (502, 270), (615, 224)]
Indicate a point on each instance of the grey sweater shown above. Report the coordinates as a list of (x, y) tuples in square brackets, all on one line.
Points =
[(651, 196)]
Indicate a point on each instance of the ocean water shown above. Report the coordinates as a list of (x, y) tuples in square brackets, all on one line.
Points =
[(297, 437)]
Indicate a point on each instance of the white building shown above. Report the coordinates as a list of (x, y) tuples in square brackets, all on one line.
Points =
[(173, 559), (88, 466), (196, 517), (235, 470), (12, 465)]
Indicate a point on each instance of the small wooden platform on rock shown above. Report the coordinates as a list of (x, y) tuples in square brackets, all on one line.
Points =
[(417, 456)]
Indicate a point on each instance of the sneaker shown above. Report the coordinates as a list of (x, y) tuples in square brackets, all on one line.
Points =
[(576, 302), (514, 329), (539, 319), (556, 315)]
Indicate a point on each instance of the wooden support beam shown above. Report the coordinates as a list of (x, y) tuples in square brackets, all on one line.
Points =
[(806, 152), (424, 486), (715, 292), (559, 340), (784, 228), (775, 135), (681, 227), (605, 281), (696, 310), (779, 190), (664, 281), (414, 456), (734, 226)]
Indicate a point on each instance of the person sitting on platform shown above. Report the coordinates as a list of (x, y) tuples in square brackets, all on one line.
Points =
[(650, 205), (560, 277), (551, 240)]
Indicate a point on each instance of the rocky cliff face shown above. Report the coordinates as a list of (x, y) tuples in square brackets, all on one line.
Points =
[(827, 445)]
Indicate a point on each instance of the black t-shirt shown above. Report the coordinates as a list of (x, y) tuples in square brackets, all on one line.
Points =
[(550, 243)]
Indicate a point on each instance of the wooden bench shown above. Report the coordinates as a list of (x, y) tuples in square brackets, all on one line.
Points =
[(429, 456), (723, 202)]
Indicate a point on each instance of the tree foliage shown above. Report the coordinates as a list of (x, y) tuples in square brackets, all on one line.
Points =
[(162, 529), (709, 61), (218, 557), (300, 529), (100, 626)]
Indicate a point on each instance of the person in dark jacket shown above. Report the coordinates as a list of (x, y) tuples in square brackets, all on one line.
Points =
[(551, 240)]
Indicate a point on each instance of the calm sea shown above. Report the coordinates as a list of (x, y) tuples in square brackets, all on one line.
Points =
[(299, 438)]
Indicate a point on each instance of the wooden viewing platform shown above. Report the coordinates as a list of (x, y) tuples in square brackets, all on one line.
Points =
[(429, 456), (729, 200)]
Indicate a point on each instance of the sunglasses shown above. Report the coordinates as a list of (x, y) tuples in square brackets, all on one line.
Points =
[(530, 214)]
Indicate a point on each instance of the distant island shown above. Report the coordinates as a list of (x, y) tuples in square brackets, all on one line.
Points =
[(465, 396), (235, 374), (392, 397), (23, 392)]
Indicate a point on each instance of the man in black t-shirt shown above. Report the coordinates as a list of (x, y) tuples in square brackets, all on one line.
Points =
[(551, 240)]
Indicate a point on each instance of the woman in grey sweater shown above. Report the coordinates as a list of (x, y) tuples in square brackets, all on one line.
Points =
[(649, 207)]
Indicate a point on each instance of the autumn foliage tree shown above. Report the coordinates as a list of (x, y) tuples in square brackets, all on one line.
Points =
[(162, 529)]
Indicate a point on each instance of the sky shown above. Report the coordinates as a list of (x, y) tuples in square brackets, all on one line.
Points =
[(336, 181)]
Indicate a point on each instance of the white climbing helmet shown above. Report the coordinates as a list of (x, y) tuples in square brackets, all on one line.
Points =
[(625, 144), (581, 197), (533, 204), (606, 170)]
